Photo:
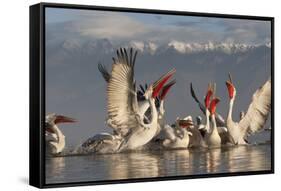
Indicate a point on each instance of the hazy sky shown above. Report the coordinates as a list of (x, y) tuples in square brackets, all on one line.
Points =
[(118, 26), (75, 88)]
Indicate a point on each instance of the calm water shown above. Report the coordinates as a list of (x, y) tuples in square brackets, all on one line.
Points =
[(158, 163)]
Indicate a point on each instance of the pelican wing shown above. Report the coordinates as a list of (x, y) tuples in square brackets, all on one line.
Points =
[(219, 119), (258, 110), (103, 70), (97, 138), (121, 93), (201, 106), (169, 132)]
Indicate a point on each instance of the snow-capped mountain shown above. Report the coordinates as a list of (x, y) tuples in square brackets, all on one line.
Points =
[(106, 46), (184, 48)]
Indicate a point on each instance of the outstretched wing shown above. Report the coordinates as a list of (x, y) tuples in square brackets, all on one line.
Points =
[(258, 110), (121, 93), (104, 72), (201, 106), (219, 119)]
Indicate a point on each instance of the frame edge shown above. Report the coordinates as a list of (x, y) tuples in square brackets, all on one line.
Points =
[(35, 154)]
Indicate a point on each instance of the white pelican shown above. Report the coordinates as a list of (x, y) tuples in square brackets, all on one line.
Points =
[(206, 130), (159, 102), (142, 102), (55, 140), (256, 115), (212, 137), (125, 113), (177, 137), (197, 138), (207, 101)]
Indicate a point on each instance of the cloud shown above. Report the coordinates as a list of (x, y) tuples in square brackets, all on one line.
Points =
[(120, 27), (110, 25), (250, 31)]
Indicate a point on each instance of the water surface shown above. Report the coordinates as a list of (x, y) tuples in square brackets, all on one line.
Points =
[(145, 164)]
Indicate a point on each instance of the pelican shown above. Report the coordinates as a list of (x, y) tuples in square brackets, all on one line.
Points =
[(219, 119), (55, 140), (159, 102), (256, 115), (142, 102), (177, 137), (206, 130), (125, 113), (161, 113), (212, 137), (197, 138)]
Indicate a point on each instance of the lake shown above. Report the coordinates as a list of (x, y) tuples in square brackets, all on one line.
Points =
[(144, 164)]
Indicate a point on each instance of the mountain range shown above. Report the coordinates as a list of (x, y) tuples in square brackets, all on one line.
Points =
[(106, 46)]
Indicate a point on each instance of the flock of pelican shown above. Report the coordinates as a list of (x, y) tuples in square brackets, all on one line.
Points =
[(137, 115)]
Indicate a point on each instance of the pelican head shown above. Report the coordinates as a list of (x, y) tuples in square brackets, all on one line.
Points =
[(54, 136), (185, 123), (230, 88), (53, 119)]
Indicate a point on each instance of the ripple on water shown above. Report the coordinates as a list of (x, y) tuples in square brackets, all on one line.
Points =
[(144, 164)]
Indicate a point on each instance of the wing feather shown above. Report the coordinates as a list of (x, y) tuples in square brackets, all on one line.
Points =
[(258, 110), (103, 70), (121, 93)]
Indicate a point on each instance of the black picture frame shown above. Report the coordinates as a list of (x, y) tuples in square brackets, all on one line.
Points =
[(37, 94)]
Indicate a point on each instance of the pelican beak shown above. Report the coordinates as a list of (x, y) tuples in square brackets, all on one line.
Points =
[(185, 123), (166, 89), (208, 96), (213, 105), (230, 89), (64, 119), (157, 86), (230, 86)]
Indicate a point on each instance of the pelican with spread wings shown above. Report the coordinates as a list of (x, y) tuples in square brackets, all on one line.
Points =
[(256, 116), (125, 113)]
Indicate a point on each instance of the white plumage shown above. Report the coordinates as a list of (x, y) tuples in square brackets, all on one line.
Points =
[(256, 115)]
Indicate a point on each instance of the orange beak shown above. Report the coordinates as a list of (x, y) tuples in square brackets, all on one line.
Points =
[(64, 119), (213, 105), (157, 86), (166, 89), (230, 88), (185, 123), (208, 96)]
